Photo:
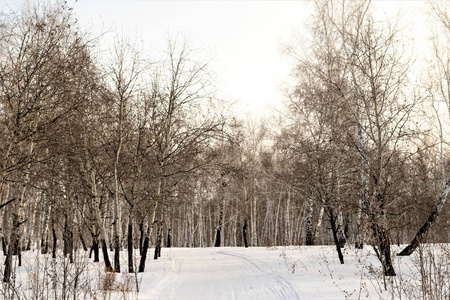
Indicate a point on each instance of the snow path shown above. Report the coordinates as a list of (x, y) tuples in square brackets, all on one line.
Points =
[(290, 272), (218, 273)]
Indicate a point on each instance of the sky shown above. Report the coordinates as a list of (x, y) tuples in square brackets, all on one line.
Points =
[(244, 39)]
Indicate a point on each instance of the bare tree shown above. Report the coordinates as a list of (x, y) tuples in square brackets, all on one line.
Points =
[(124, 71), (181, 126), (440, 93), (41, 58), (380, 77)]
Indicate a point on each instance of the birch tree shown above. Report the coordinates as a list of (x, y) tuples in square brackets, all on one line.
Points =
[(440, 94), (322, 109), (125, 68), (42, 56), (380, 71), (182, 126)]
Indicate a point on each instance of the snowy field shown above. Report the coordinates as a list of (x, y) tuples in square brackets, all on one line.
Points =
[(238, 273)]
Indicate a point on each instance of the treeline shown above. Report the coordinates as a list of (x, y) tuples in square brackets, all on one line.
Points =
[(117, 151)]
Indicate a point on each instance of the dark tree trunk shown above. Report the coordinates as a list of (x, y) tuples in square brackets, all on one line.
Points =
[(54, 242), (386, 248), (7, 271), (169, 239), (336, 240), (16, 249), (309, 239), (68, 240), (384, 245), (108, 266), (429, 222), (217, 241), (158, 241), (83, 242), (144, 254), (70, 245), (13, 248), (116, 256), (15, 236), (4, 247), (44, 246), (244, 233), (116, 246), (10, 252), (130, 245), (28, 247), (141, 238), (157, 252), (95, 249)]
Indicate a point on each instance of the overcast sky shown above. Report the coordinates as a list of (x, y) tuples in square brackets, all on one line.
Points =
[(244, 38)]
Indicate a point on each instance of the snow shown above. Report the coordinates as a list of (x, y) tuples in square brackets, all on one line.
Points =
[(220, 273), (246, 273)]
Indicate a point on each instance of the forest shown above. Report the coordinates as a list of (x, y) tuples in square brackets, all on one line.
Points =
[(106, 154)]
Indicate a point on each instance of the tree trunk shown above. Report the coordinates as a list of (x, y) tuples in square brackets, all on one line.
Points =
[(8, 266), (130, 243), (247, 213), (340, 229), (144, 254), (334, 229), (362, 151), (384, 245), (310, 236), (288, 218), (45, 225), (18, 214), (218, 234), (83, 242), (429, 222), (55, 240), (244, 233), (147, 236), (116, 238), (98, 230), (253, 217), (4, 246), (218, 239), (277, 218), (158, 243), (68, 238), (116, 254), (95, 248), (108, 266), (11, 248), (169, 238), (141, 237), (80, 227)]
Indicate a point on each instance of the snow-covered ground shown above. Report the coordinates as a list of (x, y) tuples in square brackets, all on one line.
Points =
[(260, 273), (237, 273)]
